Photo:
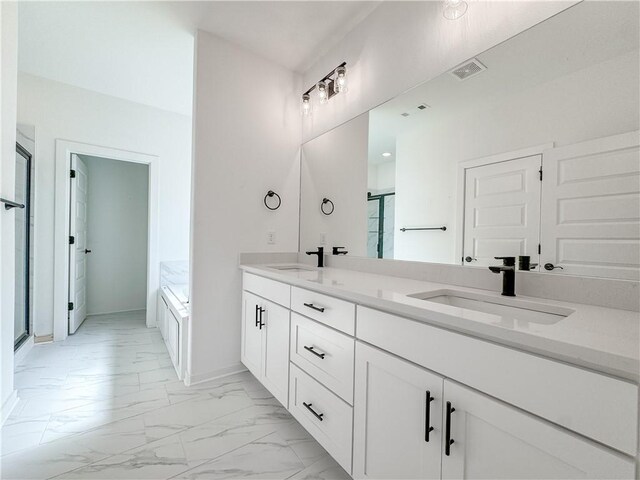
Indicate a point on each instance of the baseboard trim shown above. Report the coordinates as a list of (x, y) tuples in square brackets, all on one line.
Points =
[(8, 406), (43, 338), (116, 312), (190, 380), (22, 352)]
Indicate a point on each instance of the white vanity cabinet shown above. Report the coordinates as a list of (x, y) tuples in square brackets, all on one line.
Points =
[(397, 418), (490, 439), (390, 397), (265, 343)]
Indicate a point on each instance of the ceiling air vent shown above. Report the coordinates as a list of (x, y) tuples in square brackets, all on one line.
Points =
[(405, 114), (468, 69), (422, 106)]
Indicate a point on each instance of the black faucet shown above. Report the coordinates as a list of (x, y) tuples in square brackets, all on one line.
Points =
[(320, 254), (337, 251), (508, 268)]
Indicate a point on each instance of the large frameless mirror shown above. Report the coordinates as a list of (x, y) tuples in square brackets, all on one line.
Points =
[(527, 149)]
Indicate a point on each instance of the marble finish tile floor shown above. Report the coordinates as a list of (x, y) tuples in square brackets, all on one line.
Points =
[(106, 403)]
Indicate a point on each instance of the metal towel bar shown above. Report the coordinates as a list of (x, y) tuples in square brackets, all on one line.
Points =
[(8, 204), (405, 229)]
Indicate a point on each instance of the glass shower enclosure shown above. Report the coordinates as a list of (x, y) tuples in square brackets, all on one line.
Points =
[(23, 226)]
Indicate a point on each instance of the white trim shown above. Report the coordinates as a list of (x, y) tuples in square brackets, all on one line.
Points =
[(64, 149), (22, 351), (190, 380), (477, 162), (116, 312), (8, 406)]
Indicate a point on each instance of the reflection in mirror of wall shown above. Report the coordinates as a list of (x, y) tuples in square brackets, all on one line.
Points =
[(530, 148)]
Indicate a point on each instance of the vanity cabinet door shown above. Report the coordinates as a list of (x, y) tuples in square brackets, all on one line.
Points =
[(251, 348), (275, 372), (397, 427), (494, 440)]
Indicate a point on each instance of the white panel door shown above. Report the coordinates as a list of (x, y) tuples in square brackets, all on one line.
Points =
[(77, 250), (502, 210), (397, 418), (251, 348), (494, 440), (275, 372), (591, 200)]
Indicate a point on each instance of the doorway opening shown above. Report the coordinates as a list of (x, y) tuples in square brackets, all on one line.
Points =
[(380, 213), (108, 237), (71, 264)]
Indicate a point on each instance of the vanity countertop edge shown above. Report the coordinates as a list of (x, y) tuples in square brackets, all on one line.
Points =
[(602, 339)]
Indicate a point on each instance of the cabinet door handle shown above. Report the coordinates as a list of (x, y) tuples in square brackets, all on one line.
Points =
[(312, 306), (316, 414), (257, 309), (261, 311), (427, 423), (448, 441), (321, 355)]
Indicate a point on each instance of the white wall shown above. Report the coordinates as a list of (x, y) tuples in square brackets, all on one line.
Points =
[(8, 77), (60, 111), (586, 104), (381, 177), (335, 166), (402, 44), (117, 222), (246, 142)]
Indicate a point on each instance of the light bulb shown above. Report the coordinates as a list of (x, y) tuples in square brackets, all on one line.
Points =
[(306, 104), (454, 9), (340, 83), (323, 92)]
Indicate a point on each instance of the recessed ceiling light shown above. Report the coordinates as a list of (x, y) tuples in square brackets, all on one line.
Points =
[(386, 154)]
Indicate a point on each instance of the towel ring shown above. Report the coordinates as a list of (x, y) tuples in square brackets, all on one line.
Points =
[(324, 202), (270, 194)]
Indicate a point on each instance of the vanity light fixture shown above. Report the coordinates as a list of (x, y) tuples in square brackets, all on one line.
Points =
[(454, 9), (306, 104), (331, 84), (323, 94)]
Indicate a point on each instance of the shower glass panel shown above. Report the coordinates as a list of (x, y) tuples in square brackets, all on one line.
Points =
[(22, 244), (380, 213)]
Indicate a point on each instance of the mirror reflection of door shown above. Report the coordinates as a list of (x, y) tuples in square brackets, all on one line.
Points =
[(22, 245), (502, 211), (381, 219)]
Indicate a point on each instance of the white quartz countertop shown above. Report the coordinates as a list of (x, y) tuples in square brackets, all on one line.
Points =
[(598, 338)]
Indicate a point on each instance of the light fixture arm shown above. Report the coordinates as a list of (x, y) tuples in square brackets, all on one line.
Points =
[(325, 78)]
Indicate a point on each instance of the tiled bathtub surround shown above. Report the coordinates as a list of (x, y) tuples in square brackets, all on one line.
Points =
[(174, 273), (106, 403)]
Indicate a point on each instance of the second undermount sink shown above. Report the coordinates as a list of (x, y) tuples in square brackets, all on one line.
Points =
[(507, 308), (293, 268)]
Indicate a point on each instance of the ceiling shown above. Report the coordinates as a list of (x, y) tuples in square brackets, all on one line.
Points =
[(143, 51)]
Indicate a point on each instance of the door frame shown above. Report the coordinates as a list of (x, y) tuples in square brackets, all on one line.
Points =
[(461, 182), (62, 208)]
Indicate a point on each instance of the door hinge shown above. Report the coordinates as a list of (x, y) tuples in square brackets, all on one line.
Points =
[(70, 306), (539, 249), (72, 240), (73, 173), (540, 173)]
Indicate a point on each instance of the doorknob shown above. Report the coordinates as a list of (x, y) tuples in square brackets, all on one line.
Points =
[(87, 251), (551, 266), (469, 259)]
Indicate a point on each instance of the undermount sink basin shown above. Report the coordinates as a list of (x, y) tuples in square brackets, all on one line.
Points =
[(508, 309), (292, 268)]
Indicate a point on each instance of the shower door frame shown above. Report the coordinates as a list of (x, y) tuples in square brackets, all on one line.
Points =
[(380, 198), (17, 343)]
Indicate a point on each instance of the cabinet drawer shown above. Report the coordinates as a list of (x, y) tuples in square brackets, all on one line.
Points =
[(331, 424), (266, 288), (328, 310), (597, 406), (324, 354)]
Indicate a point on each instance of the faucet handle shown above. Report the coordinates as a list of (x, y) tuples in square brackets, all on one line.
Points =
[(507, 261)]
